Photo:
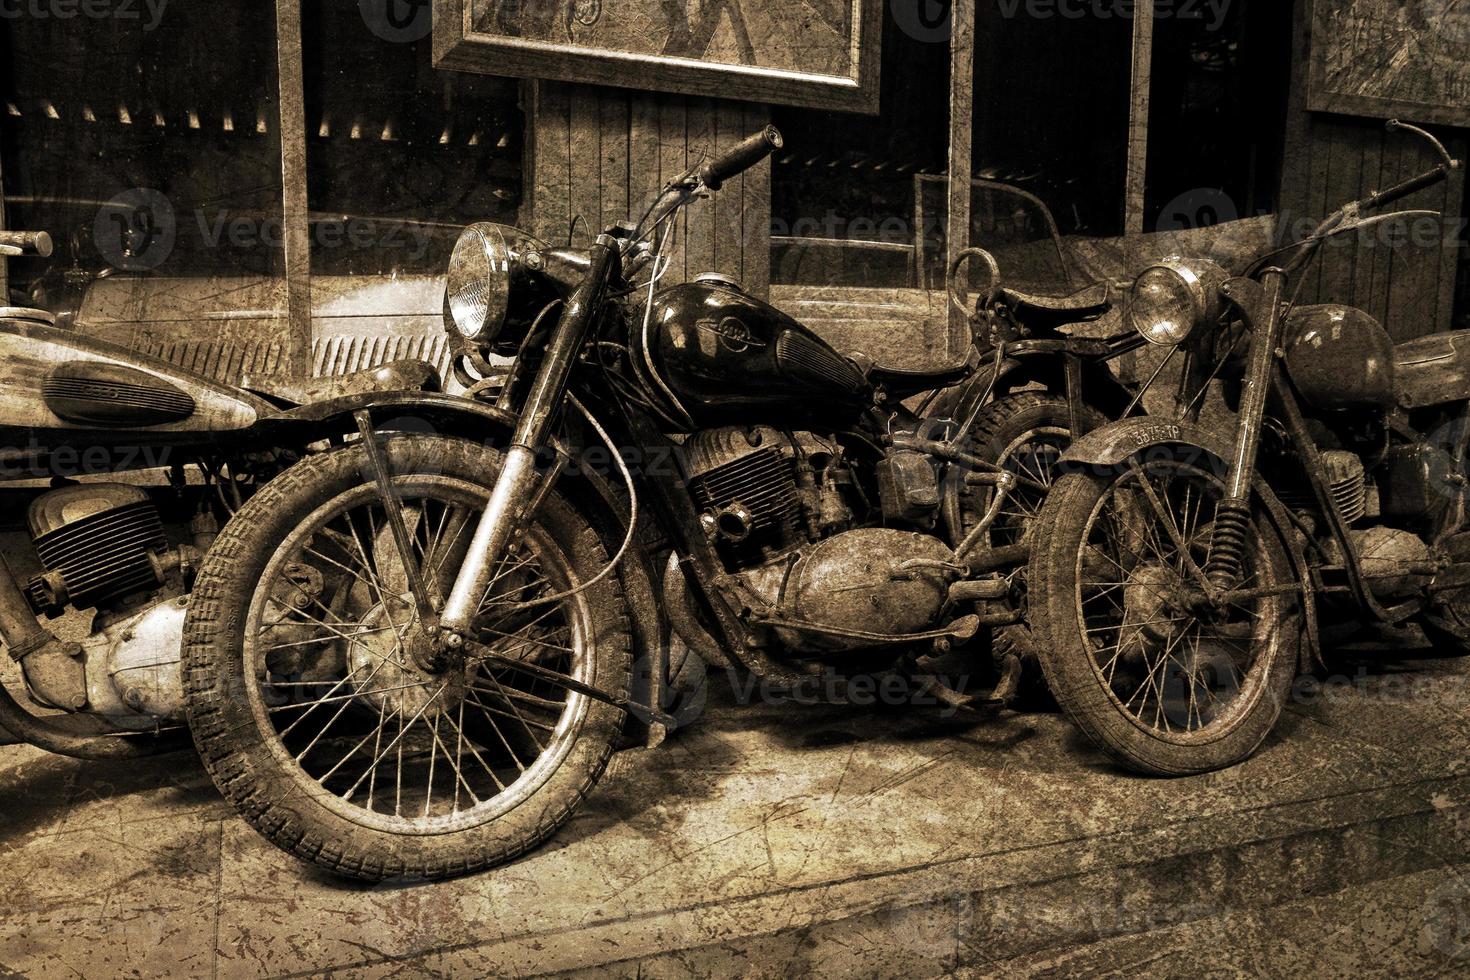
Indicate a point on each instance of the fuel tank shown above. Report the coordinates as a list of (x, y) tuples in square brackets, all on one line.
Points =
[(60, 388), (728, 357), (1433, 370), (1339, 357)]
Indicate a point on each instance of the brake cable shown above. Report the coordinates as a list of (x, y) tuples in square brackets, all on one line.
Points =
[(622, 551)]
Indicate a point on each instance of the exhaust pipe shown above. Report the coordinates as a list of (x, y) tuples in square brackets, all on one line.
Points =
[(53, 668)]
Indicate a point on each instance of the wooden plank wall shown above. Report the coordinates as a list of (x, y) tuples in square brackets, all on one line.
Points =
[(1405, 277), (600, 155)]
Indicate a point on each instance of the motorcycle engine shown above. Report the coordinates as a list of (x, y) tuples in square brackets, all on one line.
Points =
[(102, 546), (761, 492), (777, 507), (97, 543)]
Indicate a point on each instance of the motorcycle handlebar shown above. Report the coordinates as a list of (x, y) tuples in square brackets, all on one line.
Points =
[(28, 242), (741, 158)]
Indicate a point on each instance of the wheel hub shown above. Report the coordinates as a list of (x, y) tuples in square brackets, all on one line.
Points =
[(397, 667)]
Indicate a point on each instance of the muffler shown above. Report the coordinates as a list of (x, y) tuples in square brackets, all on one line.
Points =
[(54, 669)]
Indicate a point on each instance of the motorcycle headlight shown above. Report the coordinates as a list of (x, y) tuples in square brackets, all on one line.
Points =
[(479, 282), (1167, 303)]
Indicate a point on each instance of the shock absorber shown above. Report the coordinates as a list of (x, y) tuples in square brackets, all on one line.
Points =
[(1228, 544), (1232, 517)]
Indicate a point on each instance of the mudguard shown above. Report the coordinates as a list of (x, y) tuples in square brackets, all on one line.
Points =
[(1113, 444), (586, 486)]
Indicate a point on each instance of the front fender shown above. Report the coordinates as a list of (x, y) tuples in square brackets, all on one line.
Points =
[(1115, 444), (586, 486)]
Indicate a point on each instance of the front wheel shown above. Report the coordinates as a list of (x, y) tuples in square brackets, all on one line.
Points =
[(323, 715), (1161, 676)]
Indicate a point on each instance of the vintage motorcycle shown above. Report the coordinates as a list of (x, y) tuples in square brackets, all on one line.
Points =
[(90, 417), (1179, 575), (413, 655)]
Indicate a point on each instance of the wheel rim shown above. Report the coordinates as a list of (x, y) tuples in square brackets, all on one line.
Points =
[(1177, 667), (344, 696)]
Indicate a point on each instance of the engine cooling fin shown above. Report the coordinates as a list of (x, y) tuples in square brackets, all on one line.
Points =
[(761, 482), (103, 556)]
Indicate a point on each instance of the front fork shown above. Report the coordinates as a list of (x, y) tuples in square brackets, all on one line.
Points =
[(518, 482), (1261, 304)]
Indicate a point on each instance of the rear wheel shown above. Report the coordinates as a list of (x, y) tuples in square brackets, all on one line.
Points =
[(319, 710), (1160, 677), (1026, 433)]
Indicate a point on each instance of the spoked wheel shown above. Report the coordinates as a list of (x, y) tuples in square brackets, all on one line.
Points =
[(327, 716), (1027, 434), (1162, 674)]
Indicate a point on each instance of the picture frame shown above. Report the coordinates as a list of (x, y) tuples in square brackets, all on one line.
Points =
[(1386, 59), (822, 54)]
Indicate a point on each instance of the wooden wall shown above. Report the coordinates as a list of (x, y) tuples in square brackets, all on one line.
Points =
[(602, 154), (1407, 281)]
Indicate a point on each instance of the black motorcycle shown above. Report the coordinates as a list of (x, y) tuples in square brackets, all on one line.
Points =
[(415, 653), (1179, 573)]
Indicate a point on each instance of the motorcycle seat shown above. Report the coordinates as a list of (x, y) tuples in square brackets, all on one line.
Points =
[(1087, 303), (409, 374), (905, 384)]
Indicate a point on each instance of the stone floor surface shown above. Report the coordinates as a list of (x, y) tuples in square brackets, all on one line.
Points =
[(780, 839)]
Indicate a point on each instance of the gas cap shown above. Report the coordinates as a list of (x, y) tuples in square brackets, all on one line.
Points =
[(719, 280)]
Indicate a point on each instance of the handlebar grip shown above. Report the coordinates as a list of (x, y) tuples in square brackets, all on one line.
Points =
[(741, 158), (29, 242), (1411, 186)]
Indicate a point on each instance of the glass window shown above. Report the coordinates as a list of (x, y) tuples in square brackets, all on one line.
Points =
[(1217, 114), (843, 193), (1051, 107), (400, 155), (147, 145)]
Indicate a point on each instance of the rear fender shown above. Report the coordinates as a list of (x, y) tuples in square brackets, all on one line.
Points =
[(1114, 444), (587, 487), (1047, 370)]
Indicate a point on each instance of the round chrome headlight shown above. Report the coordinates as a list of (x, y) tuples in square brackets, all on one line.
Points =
[(1171, 300), (479, 282)]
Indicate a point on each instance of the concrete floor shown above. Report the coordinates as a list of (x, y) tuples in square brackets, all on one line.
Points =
[(783, 840)]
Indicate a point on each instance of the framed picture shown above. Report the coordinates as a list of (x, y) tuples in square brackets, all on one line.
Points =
[(1408, 59), (818, 53)]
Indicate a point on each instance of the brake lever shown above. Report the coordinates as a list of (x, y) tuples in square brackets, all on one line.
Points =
[(1394, 125)]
